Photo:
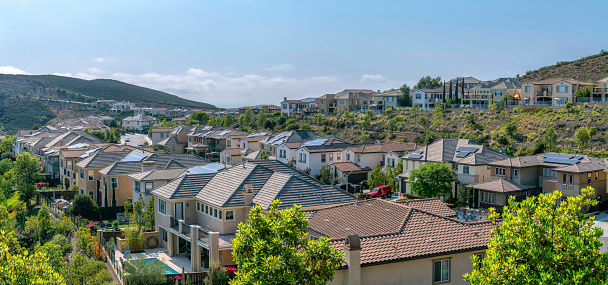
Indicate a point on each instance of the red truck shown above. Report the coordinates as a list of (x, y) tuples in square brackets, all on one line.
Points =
[(380, 191)]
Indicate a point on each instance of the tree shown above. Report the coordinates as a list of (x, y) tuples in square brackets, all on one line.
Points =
[(44, 222), (85, 207), (262, 117), (27, 170), (450, 93), (405, 100), (139, 214), (272, 248), (5, 166), (200, 117), (6, 144), (539, 241), (582, 136), (428, 82), (510, 128), (143, 273), (443, 94), (550, 138), (264, 155), (228, 120), (432, 180), (377, 177), (83, 270), (327, 175), (464, 196), (248, 118)]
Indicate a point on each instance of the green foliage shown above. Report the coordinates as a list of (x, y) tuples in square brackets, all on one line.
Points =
[(327, 176), (319, 119), (27, 172), (272, 248), (432, 180), (6, 144), (538, 242), (377, 177), (428, 82), (84, 240), (305, 126), (510, 128), (248, 117), (264, 155), (21, 113), (405, 100), (144, 273), (550, 138), (45, 222), (140, 215), (5, 165), (219, 275), (83, 270), (262, 118), (85, 207), (199, 117), (465, 196), (582, 136)]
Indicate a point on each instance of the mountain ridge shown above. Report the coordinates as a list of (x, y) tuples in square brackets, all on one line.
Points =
[(590, 68)]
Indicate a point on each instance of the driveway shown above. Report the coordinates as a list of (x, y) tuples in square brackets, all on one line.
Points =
[(601, 221), (136, 140)]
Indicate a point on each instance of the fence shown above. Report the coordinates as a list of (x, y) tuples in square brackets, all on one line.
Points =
[(69, 195), (195, 278)]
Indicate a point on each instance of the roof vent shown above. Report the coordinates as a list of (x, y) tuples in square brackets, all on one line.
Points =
[(347, 229), (326, 220), (248, 188)]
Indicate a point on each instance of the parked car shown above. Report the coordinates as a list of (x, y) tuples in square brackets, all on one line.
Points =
[(127, 139), (380, 191), (363, 184)]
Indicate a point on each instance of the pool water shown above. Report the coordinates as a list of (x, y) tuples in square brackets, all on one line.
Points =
[(168, 270)]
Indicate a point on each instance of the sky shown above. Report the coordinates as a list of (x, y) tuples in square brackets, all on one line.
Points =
[(235, 53)]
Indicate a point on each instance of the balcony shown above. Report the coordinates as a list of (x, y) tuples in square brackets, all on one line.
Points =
[(203, 236), (544, 94), (599, 90)]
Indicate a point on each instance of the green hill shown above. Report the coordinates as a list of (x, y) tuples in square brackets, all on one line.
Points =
[(97, 89), (590, 68)]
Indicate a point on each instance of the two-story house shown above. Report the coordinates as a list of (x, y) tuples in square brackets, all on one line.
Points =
[(252, 141), (198, 214), (349, 99), (313, 155), (599, 93), (482, 94), (160, 134), (271, 143), (293, 107), (385, 100), (411, 242), (370, 155), (468, 159), (552, 91)]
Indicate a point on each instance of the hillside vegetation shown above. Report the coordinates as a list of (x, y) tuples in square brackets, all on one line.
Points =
[(19, 112), (94, 89), (590, 68)]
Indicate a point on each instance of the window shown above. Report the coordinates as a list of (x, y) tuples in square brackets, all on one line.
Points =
[(92, 194), (441, 270), (219, 214), (228, 143), (418, 96), (527, 89), (339, 156), (331, 157), (562, 89), (589, 177), (481, 256), (322, 157), (114, 182), (198, 206), (465, 169), (137, 186), (303, 157), (348, 157), (455, 166), (390, 99), (322, 101), (162, 206), (229, 215), (215, 213), (61, 163), (564, 180), (149, 187), (91, 175), (342, 102), (500, 171), (544, 171), (359, 158), (597, 175), (82, 173), (515, 172), (487, 197), (570, 181), (163, 233), (498, 92)]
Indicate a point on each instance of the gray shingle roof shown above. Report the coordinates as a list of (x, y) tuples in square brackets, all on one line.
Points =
[(445, 151), (185, 186), (500, 83), (502, 186), (158, 174), (102, 159), (122, 167), (171, 140)]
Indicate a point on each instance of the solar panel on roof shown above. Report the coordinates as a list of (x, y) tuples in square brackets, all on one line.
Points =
[(208, 168), (418, 151), (88, 152), (50, 151), (134, 156), (467, 149), (78, 145), (415, 155), (550, 155), (315, 142), (561, 160), (196, 135), (223, 133), (462, 154), (579, 157), (207, 133)]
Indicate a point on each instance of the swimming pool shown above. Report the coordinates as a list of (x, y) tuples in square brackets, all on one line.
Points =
[(168, 270)]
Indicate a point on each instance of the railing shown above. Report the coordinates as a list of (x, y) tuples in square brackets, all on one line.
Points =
[(583, 99), (599, 90), (174, 223), (196, 278), (185, 229), (544, 93), (203, 236)]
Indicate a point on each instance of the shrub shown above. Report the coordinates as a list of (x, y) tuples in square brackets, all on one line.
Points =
[(84, 240), (85, 207), (64, 226), (63, 242)]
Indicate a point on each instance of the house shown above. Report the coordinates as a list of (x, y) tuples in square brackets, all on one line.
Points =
[(370, 155), (139, 123), (348, 172), (117, 186), (349, 99), (290, 107), (252, 141), (180, 120), (599, 93), (415, 242), (122, 106), (232, 156), (482, 94), (198, 214), (429, 98), (469, 82), (172, 145), (496, 193), (271, 143), (59, 163), (313, 155), (258, 108), (468, 159), (161, 133), (385, 100), (546, 173), (552, 91), (203, 139)]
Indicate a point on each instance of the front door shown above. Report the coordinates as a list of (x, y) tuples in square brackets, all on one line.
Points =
[(179, 211)]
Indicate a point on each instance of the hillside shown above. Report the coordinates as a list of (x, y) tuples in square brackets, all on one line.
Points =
[(590, 68), (94, 89), (19, 112)]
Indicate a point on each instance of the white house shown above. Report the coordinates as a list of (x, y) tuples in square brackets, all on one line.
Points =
[(139, 122), (290, 107), (370, 155), (313, 155)]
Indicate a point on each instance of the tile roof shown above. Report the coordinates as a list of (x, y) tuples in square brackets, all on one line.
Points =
[(122, 167), (163, 130), (349, 166), (270, 179), (234, 151), (183, 187), (171, 140), (384, 147), (445, 151), (392, 232), (555, 80), (431, 205), (502, 186), (328, 146), (500, 83), (585, 164), (158, 174), (102, 159)]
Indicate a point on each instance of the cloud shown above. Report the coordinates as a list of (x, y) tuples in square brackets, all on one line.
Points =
[(280, 67), (103, 59), (67, 74), (372, 77), (11, 70)]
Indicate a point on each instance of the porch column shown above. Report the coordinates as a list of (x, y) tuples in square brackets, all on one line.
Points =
[(214, 242), (195, 250), (170, 239)]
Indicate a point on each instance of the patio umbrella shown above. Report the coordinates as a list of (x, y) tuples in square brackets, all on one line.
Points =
[(127, 251)]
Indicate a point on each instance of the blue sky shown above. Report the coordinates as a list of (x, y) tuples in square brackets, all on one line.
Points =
[(234, 53)]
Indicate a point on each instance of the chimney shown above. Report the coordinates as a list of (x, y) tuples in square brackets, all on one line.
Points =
[(284, 98), (148, 165), (248, 193), (352, 254), (63, 149)]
